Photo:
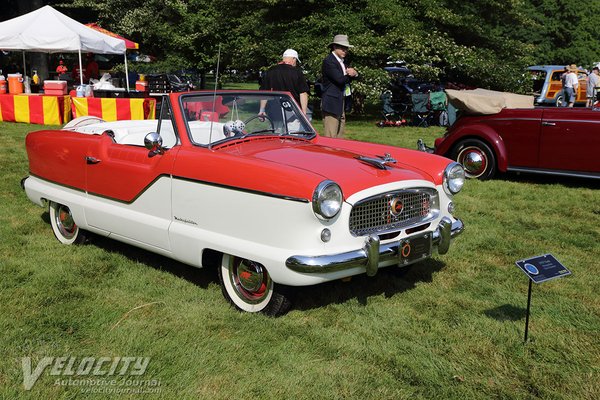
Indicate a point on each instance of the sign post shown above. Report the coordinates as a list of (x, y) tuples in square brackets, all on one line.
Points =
[(540, 269)]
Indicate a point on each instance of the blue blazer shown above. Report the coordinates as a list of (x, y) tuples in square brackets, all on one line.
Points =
[(334, 81)]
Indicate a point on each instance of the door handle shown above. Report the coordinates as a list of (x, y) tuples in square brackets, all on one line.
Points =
[(548, 123), (91, 160)]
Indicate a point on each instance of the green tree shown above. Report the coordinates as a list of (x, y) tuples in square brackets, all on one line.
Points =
[(486, 43), (565, 32)]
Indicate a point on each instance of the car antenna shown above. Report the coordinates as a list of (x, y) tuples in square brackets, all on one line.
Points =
[(214, 98)]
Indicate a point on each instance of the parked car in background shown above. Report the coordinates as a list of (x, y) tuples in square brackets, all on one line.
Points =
[(543, 140), (547, 85), (259, 196)]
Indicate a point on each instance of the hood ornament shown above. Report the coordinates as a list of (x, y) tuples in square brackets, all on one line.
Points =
[(380, 162)]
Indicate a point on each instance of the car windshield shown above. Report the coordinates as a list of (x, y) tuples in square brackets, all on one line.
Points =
[(221, 117)]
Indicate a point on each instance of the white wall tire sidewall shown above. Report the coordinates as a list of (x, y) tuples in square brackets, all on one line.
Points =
[(233, 294), (55, 229)]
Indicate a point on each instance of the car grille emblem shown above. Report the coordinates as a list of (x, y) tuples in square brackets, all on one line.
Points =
[(396, 206)]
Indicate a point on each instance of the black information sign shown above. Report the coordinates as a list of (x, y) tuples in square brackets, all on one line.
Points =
[(543, 268), (540, 269)]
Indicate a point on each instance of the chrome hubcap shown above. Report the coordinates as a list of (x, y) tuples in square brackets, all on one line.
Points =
[(474, 161), (250, 279), (65, 223)]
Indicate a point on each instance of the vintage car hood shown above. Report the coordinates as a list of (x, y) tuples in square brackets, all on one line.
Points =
[(335, 163)]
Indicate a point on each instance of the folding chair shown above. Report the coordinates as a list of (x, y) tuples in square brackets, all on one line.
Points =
[(438, 105), (420, 109)]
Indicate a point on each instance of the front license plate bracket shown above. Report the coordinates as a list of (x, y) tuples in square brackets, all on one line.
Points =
[(414, 248)]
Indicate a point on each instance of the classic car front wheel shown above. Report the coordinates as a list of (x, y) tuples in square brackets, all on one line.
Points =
[(248, 286), (64, 227), (476, 157)]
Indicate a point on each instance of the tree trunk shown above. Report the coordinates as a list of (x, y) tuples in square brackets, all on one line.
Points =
[(358, 103)]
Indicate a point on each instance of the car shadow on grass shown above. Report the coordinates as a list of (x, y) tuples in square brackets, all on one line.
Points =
[(567, 181), (201, 277), (388, 281)]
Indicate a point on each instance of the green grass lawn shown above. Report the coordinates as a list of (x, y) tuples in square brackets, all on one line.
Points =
[(451, 328)]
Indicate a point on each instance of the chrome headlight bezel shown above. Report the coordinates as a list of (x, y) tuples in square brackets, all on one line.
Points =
[(454, 178), (327, 199)]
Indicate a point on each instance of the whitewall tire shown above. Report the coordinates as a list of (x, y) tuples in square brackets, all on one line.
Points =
[(247, 285), (64, 227)]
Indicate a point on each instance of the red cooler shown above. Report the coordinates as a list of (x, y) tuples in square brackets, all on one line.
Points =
[(141, 86), (57, 88)]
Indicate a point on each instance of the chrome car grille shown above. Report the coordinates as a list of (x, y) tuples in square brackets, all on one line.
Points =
[(393, 211)]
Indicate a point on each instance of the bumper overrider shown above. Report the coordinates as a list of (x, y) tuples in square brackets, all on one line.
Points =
[(374, 252)]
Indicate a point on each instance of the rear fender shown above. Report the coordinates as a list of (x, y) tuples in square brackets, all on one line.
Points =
[(475, 131)]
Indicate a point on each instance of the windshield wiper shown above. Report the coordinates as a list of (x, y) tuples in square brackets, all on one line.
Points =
[(257, 132), (260, 131), (303, 133)]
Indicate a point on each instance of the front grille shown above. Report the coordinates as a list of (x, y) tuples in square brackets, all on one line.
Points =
[(393, 211)]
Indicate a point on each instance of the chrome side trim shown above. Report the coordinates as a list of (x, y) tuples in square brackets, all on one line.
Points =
[(590, 175), (372, 253)]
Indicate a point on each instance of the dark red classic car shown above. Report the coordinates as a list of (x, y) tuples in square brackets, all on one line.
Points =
[(546, 140)]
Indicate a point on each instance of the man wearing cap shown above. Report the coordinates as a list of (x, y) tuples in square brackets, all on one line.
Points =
[(286, 77), (336, 85)]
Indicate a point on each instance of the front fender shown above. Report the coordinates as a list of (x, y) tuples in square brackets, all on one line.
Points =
[(474, 131)]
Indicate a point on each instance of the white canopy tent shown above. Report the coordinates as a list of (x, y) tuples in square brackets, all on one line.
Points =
[(46, 30)]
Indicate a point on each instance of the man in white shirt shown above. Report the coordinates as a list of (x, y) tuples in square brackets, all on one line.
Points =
[(571, 85)]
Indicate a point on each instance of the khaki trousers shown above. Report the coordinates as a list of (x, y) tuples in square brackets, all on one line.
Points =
[(334, 126)]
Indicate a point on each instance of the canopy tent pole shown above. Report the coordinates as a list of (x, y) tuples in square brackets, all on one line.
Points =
[(80, 68), (24, 66), (126, 71)]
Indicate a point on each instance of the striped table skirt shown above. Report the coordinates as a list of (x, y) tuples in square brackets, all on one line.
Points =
[(35, 109)]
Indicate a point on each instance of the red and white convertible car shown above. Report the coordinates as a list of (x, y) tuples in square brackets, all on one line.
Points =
[(275, 203)]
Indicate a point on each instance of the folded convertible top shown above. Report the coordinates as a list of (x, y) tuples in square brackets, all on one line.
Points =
[(482, 101)]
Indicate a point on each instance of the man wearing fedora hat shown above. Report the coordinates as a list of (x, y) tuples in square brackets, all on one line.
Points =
[(336, 85)]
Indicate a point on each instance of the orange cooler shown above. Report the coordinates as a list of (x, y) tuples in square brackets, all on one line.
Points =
[(15, 83), (2, 85)]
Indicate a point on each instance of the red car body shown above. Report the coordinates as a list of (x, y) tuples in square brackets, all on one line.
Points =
[(208, 185), (547, 140)]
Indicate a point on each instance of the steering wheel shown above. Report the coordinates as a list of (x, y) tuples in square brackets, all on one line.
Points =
[(263, 116)]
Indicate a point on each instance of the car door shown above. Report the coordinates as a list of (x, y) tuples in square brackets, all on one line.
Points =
[(129, 190), (519, 130), (570, 140)]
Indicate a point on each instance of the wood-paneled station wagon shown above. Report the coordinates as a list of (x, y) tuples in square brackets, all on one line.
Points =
[(277, 204)]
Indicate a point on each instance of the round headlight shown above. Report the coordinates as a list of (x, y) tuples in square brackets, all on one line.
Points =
[(327, 199), (454, 178)]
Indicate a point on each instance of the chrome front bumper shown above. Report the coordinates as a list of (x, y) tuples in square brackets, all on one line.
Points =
[(373, 252)]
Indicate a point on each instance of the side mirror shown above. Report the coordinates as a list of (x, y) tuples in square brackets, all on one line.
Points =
[(153, 142)]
